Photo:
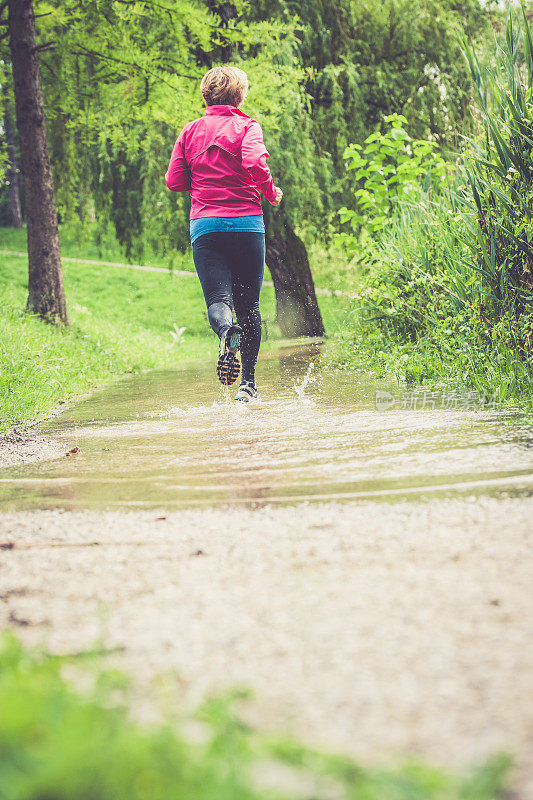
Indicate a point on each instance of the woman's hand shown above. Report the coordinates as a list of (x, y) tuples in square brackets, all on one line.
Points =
[(279, 195)]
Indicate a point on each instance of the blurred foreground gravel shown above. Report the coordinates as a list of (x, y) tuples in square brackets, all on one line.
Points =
[(371, 628)]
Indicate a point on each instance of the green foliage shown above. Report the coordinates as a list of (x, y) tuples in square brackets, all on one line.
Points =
[(118, 75), (367, 59), (447, 295), (391, 167), (124, 79), (57, 742), (409, 61), (417, 310)]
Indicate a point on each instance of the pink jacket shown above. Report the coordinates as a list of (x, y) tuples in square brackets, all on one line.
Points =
[(221, 160)]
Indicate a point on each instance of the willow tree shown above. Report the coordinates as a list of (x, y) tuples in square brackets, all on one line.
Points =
[(366, 59), (46, 295), (122, 81)]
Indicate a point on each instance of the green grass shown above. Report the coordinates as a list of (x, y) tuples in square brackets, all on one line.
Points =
[(121, 320), (59, 743), (90, 242)]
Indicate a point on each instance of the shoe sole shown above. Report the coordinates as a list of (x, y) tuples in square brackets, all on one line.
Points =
[(235, 341), (228, 368), (228, 365)]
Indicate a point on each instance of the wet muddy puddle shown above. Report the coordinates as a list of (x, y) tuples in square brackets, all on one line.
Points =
[(176, 438)]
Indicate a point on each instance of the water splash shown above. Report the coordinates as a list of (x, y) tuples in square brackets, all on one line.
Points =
[(301, 386)]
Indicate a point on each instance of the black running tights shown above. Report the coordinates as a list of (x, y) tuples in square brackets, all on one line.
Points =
[(230, 266)]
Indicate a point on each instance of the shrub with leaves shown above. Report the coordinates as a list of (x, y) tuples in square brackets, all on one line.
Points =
[(448, 283), (390, 167)]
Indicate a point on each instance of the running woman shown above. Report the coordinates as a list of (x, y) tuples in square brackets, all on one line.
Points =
[(221, 160)]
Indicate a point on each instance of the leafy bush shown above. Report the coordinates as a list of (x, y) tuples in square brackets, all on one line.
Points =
[(447, 286), (57, 743), (417, 310), (391, 167)]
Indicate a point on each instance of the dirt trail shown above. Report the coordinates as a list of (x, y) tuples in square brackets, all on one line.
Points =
[(366, 627)]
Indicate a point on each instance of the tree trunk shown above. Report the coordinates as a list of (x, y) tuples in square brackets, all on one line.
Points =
[(46, 295), (297, 311), (12, 169)]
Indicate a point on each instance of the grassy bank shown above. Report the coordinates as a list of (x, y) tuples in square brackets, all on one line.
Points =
[(57, 742), (121, 320), (443, 249), (90, 241), (415, 315)]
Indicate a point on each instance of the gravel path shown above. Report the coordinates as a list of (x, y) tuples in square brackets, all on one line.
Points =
[(372, 628)]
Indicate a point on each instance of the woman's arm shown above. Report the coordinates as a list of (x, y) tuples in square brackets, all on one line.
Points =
[(178, 177), (254, 155)]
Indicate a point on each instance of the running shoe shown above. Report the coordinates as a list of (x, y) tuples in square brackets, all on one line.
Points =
[(247, 391), (228, 365)]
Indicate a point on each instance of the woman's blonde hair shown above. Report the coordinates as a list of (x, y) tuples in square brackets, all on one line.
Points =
[(224, 86)]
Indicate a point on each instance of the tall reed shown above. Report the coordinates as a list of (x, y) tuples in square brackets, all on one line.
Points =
[(497, 211)]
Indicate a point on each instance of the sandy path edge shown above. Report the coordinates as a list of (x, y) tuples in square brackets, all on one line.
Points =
[(25, 444), (27, 447)]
